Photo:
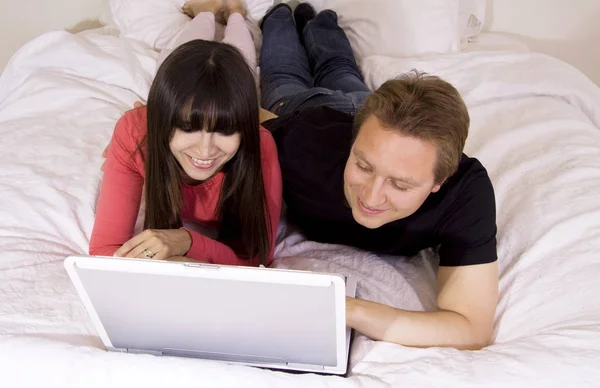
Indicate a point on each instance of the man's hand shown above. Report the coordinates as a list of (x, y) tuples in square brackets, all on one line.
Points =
[(157, 244), (136, 105)]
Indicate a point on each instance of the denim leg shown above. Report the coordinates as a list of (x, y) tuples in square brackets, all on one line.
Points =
[(284, 67), (317, 97), (330, 55)]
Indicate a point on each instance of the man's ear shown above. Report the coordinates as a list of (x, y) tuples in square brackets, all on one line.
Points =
[(437, 187)]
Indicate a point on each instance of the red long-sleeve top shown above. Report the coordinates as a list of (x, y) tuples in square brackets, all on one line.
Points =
[(121, 194)]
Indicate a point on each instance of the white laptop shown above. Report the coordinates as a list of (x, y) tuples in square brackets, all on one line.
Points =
[(270, 318)]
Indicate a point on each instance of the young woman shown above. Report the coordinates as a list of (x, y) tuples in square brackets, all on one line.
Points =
[(208, 172)]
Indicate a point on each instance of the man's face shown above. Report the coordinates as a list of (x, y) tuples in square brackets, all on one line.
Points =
[(388, 176)]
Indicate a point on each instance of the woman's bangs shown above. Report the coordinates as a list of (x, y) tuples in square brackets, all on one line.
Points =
[(207, 111)]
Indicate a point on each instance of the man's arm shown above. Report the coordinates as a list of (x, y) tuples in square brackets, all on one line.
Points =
[(467, 298)]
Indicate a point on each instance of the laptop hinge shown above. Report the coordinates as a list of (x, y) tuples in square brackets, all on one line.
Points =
[(118, 350), (216, 356), (138, 351), (311, 367)]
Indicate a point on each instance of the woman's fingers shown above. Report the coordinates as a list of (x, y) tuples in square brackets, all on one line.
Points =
[(127, 248), (140, 252), (150, 244), (159, 254), (151, 247)]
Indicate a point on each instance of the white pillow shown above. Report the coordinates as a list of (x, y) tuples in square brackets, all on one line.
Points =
[(471, 17), (158, 22), (105, 17), (398, 28)]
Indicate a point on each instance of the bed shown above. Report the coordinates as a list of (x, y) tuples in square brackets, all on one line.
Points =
[(535, 126)]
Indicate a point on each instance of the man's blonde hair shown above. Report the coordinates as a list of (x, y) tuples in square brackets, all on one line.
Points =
[(427, 108)]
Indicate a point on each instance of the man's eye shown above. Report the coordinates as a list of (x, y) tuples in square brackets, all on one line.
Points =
[(399, 187), (363, 168)]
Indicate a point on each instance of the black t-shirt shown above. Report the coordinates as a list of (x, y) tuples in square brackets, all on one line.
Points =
[(314, 145)]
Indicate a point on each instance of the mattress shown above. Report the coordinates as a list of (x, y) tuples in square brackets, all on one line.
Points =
[(535, 126)]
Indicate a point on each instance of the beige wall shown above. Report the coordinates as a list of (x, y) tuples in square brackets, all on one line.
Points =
[(22, 21), (566, 29)]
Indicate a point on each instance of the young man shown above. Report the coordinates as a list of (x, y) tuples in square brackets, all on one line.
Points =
[(384, 172)]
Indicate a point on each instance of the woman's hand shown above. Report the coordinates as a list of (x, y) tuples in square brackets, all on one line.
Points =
[(157, 244)]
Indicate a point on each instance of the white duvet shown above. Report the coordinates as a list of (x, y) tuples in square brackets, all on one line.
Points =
[(535, 126)]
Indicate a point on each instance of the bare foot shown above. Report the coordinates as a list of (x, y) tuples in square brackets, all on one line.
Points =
[(233, 6), (194, 7)]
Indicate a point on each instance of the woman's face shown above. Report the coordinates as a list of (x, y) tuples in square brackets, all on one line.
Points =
[(202, 154)]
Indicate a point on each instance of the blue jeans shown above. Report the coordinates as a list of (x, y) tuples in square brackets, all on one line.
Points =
[(322, 72)]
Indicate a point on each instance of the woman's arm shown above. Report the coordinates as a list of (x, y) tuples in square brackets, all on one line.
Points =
[(213, 251), (120, 193), (273, 191), (122, 190)]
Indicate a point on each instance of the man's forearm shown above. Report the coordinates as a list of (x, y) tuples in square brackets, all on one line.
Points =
[(412, 328)]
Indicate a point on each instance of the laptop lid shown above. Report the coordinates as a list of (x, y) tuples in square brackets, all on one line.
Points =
[(254, 316)]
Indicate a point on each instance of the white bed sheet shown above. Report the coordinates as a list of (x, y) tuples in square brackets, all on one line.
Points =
[(535, 125)]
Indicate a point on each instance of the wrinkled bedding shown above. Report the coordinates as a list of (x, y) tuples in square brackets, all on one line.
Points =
[(535, 126)]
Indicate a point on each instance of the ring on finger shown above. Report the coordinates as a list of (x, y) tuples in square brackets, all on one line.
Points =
[(148, 253)]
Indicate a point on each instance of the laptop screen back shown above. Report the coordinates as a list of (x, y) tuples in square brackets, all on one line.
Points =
[(221, 319)]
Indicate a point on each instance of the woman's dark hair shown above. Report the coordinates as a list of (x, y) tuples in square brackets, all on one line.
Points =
[(208, 86)]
